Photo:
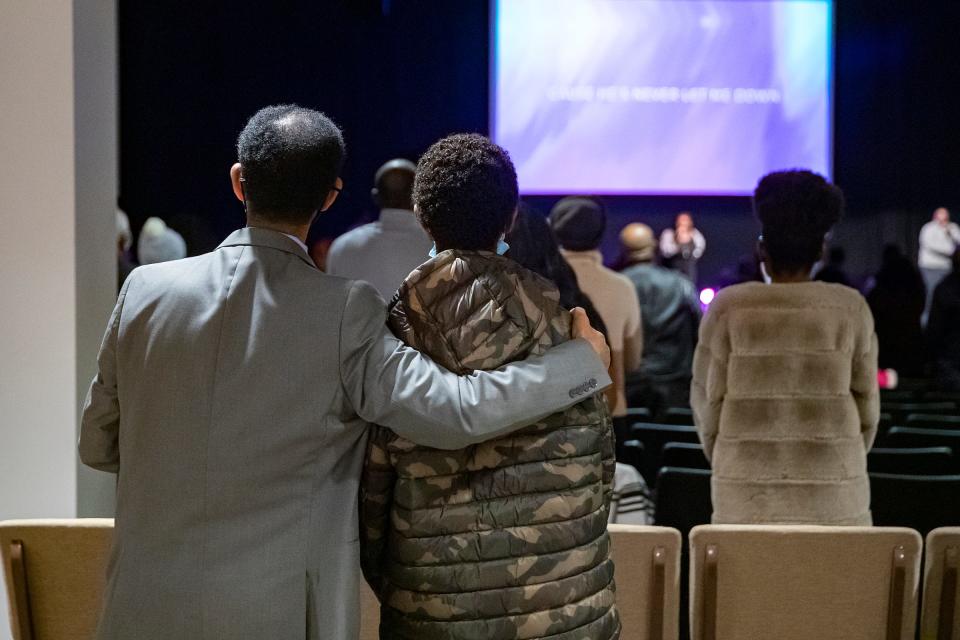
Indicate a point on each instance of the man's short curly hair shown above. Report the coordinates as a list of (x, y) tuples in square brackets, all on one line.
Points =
[(290, 159), (465, 192), (796, 209)]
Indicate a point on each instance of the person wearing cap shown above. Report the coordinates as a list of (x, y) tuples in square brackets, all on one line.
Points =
[(384, 252), (670, 311), (578, 224), (159, 243)]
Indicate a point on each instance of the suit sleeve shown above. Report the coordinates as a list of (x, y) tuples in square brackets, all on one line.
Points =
[(393, 385), (709, 384), (100, 425), (863, 379)]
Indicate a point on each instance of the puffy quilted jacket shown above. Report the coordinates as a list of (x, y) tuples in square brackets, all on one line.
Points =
[(508, 538)]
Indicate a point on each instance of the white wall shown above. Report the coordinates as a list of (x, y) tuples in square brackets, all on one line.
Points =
[(58, 186)]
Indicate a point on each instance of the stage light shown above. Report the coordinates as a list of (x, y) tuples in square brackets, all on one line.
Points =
[(707, 295)]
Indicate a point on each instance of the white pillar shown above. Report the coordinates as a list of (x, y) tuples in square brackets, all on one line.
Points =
[(58, 188)]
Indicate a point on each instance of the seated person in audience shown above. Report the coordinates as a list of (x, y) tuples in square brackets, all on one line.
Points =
[(896, 295), (670, 310), (505, 539), (383, 252), (943, 329), (578, 224), (784, 389)]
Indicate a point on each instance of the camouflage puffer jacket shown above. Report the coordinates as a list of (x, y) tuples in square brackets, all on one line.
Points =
[(508, 538)]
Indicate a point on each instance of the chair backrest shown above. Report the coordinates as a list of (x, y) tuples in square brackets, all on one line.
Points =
[(631, 452), (919, 502), (900, 410), (932, 461), (927, 421), (683, 498), (940, 616), (907, 437), (369, 613), (654, 436), (684, 454), (647, 563), (678, 415), (800, 582), (55, 573)]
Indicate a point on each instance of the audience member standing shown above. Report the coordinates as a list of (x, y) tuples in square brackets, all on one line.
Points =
[(232, 398), (578, 224), (833, 271), (384, 252), (533, 246), (670, 310), (943, 330), (159, 243), (682, 246), (784, 391), (896, 298), (125, 263), (494, 540), (939, 239)]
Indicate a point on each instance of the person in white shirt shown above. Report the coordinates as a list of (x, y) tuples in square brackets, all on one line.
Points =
[(682, 246), (384, 252), (578, 224), (939, 240)]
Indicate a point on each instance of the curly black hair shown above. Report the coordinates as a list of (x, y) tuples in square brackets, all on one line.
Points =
[(290, 159), (796, 209), (465, 192)]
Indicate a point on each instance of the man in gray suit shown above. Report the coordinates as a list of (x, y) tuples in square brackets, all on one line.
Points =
[(232, 399)]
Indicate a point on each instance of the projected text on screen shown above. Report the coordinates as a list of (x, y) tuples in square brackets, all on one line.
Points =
[(661, 96)]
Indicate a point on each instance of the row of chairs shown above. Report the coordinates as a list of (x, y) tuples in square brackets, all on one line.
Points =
[(918, 502), (746, 582), (647, 448)]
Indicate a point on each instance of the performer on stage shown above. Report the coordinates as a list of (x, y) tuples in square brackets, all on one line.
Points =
[(939, 239), (682, 246)]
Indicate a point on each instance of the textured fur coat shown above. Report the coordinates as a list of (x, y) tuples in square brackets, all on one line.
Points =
[(786, 401), (505, 539)]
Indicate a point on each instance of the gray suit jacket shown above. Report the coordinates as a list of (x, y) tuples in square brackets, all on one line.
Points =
[(232, 399)]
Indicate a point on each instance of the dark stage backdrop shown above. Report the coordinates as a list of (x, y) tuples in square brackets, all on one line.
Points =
[(398, 74)]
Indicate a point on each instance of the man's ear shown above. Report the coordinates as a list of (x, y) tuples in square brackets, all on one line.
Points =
[(332, 195), (236, 173)]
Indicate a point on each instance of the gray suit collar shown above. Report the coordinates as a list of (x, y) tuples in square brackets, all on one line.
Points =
[(257, 237)]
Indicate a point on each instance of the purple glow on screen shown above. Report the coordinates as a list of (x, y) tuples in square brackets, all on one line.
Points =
[(661, 96)]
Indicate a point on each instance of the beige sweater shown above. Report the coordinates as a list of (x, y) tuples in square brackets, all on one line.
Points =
[(786, 401)]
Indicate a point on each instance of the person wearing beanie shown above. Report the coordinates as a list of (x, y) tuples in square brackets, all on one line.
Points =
[(670, 311), (159, 243), (578, 224)]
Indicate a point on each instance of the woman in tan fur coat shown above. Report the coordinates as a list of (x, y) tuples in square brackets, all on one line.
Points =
[(784, 390)]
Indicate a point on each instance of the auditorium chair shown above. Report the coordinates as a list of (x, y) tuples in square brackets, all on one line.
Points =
[(803, 582), (685, 455), (930, 461), (654, 437), (683, 498), (919, 502), (941, 396), (940, 609), (55, 575), (925, 421), (678, 415), (639, 414), (648, 580), (910, 438), (900, 410), (631, 452)]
